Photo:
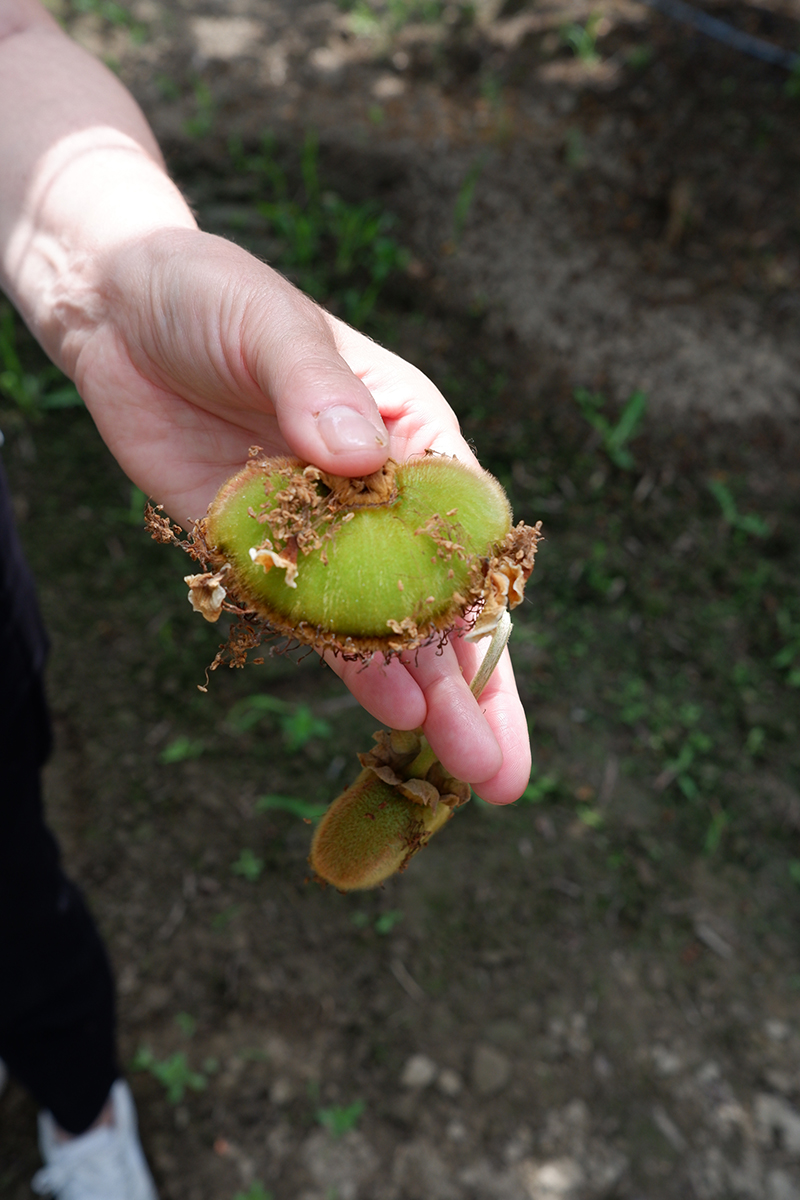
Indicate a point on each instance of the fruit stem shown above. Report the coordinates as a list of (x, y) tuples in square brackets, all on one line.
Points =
[(497, 645), (419, 768)]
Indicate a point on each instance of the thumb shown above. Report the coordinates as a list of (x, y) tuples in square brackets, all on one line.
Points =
[(325, 413)]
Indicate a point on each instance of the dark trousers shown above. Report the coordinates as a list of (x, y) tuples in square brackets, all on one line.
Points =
[(57, 1024)]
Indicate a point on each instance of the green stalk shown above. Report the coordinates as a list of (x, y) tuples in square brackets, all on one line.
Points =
[(496, 647), (419, 768)]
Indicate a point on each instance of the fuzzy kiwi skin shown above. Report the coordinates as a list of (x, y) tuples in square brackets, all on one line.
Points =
[(379, 564), (369, 833)]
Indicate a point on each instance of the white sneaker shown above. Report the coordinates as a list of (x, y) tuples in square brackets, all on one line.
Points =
[(107, 1163)]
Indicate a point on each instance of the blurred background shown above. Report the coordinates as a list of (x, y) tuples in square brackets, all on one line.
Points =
[(582, 220)]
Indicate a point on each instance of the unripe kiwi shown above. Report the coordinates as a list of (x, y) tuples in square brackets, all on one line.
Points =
[(370, 832), (382, 563), (401, 798)]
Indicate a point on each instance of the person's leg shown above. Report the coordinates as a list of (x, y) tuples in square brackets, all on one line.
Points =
[(57, 1029), (57, 1024), (56, 999)]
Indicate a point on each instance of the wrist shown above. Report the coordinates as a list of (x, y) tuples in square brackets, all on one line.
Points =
[(82, 175), (95, 193)]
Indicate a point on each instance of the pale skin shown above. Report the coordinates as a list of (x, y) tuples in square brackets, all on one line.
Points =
[(187, 351)]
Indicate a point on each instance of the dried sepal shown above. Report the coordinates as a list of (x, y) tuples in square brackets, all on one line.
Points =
[(206, 593), (420, 791), (268, 558), (452, 792), (367, 491), (505, 578), (395, 749)]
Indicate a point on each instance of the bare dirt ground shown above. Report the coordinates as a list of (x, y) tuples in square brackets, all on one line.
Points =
[(593, 995)]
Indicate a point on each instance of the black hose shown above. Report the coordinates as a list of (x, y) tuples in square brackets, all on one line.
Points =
[(721, 31)]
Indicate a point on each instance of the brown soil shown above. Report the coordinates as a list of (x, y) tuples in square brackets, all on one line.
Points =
[(558, 1001)]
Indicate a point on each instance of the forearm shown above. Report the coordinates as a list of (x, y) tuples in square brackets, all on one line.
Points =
[(82, 176)]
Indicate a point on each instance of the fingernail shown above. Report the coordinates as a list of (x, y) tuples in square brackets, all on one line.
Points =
[(346, 429)]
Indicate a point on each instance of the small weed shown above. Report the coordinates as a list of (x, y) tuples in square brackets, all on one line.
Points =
[(682, 769), (300, 725), (765, 132), (114, 14), (639, 57), (134, 513), (383, 924), (391, 16), (719, 823), (539, 788), (485, 390), (200, 125), (249, 866), (756, 741), (256, 1191), (186, 1023), (339, 1119), (341, 253), (492, 89), (615, 436), (363, 19), (748, 523), (387, 921), (296, 721), (223, 919), (794, 875), (599, 576), (306, 809), (671, 730), (574, 149), (253, 1055), (168, 88), (788, 657), (173, 1073), (33, 394), (181, 749), (632, 701), (466, 194), (404, 12), (582, 40), (590, 816), (792, 86)]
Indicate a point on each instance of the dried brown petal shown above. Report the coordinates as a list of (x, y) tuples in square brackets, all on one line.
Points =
[(206, 593), (271, 558), (383, 772), (420, 791)]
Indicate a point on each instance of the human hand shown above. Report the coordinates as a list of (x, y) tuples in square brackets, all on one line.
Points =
[(188, 351), (195, 352)]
